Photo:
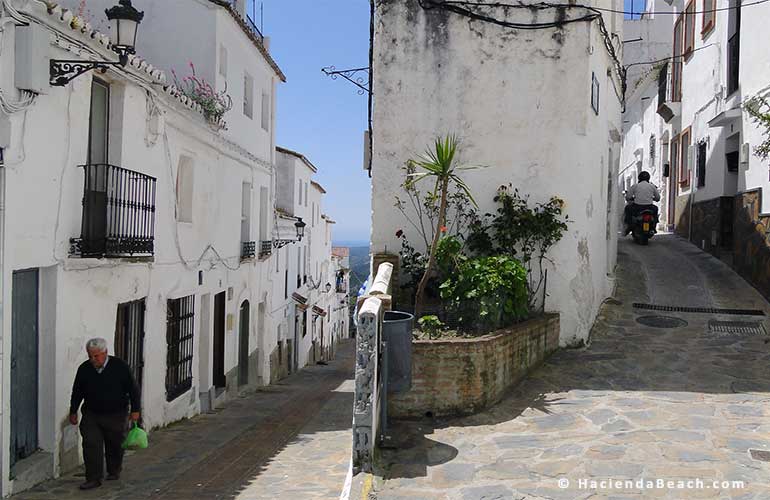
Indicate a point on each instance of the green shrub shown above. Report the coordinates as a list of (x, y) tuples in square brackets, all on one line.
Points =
[(487, 293), (431, 325)]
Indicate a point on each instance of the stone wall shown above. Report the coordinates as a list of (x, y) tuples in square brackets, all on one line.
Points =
[(711, 220), (464, 376), (751, 242)]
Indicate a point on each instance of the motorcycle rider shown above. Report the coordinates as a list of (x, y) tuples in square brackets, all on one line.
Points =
[(641, 197)]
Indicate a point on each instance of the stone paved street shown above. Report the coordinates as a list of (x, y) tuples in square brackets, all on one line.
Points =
[(638, 403), (291, 440)]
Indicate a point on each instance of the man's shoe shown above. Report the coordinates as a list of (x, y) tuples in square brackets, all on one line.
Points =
[(113, 477), (89, 485)]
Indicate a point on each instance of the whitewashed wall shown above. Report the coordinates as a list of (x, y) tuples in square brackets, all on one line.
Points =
[(520, 102), (79, 297)]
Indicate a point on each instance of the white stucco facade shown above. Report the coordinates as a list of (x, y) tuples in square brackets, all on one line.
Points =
[(215, 223), (520, 101), (707, 122)]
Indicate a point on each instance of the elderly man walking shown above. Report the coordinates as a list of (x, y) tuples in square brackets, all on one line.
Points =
[(105, 385)]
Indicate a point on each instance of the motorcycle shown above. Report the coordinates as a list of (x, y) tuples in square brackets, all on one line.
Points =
[(643, 226)]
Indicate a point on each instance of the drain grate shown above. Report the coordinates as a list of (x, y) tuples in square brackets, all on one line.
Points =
[(661, 321), (704, 310), (737, 327)]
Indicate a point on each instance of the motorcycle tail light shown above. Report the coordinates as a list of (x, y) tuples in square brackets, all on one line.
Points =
[(647, 217)]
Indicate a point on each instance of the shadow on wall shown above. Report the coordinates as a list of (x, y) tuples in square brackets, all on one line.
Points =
[(682, 216), (752, 245)]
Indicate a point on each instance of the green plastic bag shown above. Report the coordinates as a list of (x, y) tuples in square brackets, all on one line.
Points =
[(136, 439)]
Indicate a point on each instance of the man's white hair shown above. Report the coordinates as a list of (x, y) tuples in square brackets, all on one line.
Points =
[(98, 343)]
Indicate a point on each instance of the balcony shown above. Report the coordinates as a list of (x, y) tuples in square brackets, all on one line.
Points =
[(248, 250), (118, 213), (249, 14), (668, 93), (265, 248)]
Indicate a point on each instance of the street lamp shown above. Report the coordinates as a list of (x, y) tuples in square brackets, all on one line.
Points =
[(300, 228), (124, 22)]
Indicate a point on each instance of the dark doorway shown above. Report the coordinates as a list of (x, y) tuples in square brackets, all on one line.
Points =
[(243, 345), (24, 364), (129, 337), (219, 340)]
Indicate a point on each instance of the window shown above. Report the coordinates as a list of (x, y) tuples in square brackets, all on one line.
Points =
[(674, 157), (689, 29), (709, 17), (313, 214), (300, 191), (702, 164), (185, 186), (99, 121), (248, 95), (246, 212), (733, 46), (594, 93), (265, 112), (129, 337), (223, 61), (306, 185), (684, 158), (652, 150), (180, 315), (264, 200), (676, 63)]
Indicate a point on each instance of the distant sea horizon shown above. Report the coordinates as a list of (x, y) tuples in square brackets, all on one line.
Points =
[(350, 243)]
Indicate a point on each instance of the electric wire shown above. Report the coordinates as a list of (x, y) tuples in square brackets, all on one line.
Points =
[(546, 5), (464, 8)]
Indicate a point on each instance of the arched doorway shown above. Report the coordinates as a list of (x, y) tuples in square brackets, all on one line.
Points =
[(243, 344)]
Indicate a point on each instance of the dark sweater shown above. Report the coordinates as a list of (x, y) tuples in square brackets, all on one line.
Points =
[(106, 392)]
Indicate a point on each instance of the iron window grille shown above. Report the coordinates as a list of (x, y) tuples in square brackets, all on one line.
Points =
[(702, 149), (129, 337), (180, 316), (594, 93), (249, 250), (265, 248), (118, 213)]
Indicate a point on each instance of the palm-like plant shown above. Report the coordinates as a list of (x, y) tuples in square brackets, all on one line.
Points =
[(439, 164)]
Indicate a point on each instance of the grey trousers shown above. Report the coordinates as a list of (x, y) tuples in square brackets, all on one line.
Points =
[(103, 436)]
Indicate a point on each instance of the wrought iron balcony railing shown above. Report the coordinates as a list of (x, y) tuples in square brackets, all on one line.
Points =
[(265, 248), (248, 250), (118, 213), (249, 15)]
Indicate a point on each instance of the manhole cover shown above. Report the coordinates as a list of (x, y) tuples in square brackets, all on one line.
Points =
[(761, 455), (661, 321), (736, 327)]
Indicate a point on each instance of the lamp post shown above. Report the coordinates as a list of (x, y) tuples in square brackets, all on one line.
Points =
[(300, 228), (124, 22)]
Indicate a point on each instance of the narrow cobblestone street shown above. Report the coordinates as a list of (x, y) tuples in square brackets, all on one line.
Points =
[(638, 403), (290, 440)]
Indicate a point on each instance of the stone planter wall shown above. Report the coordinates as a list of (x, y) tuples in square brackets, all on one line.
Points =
[(464, 376)]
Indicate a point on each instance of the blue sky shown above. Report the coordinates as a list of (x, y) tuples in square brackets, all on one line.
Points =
[(317, 116)]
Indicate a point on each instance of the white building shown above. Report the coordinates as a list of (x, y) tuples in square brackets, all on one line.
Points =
[(305, 295), (717, 62), (645, 134), (541, 107), (126, 213)]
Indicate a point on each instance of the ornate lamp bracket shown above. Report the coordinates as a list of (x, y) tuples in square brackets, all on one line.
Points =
[(360, 77)]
